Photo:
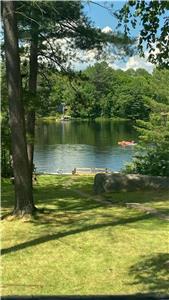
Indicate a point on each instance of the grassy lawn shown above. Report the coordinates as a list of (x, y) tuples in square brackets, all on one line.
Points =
[(82, 246)]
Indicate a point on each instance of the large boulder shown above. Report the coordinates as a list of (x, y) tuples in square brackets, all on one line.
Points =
[(116, 182)]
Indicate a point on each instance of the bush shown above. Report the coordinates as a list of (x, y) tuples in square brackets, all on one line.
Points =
[(155, 162)]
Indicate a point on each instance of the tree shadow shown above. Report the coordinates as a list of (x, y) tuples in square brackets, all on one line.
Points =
[(60, 193), (61, 197), (63, 205), (56, 192), (59, 235), (153, 272), (137, 196)]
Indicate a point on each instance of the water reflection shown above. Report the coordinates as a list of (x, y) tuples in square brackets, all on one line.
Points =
[(65, 145)]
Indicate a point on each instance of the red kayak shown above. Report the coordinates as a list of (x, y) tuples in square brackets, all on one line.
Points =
[(126, 143)]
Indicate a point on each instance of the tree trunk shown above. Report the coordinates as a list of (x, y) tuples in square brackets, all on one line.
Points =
[(23, 191), (33, 70)]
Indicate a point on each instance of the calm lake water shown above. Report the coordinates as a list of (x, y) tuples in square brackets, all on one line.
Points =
[(80, 144)]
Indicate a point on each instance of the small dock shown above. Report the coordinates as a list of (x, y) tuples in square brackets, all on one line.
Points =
[(78, 171), (87, 171)]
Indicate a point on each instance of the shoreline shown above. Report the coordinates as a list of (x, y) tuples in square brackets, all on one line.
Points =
[(51, 119)]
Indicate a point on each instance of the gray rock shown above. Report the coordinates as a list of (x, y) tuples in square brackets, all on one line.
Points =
[(116, 182)]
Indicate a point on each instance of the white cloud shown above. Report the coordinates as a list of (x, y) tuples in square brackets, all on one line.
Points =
[(82, 59), (107, 29), (135, 62)]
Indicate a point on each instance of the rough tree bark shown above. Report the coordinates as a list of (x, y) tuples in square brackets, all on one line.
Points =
[(33, 71), (23, 190)]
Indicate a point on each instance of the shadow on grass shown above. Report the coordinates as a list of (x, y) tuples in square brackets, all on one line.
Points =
[(153, 271), (82, 185), (62, 197), (62, 204), (47, 238), (56, 192)]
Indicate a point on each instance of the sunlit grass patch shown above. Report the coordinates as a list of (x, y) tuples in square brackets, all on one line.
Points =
[(78, 245)]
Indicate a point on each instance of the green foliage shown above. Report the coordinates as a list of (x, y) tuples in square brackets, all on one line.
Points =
[(100, 91), (47, 23), (153, 151), (160, 86), (155, 162), (52, 22), (153, 18), (153, 154), (129, 98)]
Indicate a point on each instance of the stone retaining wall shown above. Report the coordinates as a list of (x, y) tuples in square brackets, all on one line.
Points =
[(116, 182)]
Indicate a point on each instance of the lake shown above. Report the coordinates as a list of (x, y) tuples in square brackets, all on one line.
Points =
[(79, 144)]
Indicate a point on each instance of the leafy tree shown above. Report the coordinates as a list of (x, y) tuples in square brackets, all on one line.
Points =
[(23, 191), (47, 22), (130, 98), (102, 91), (40, 25), (153, 158), (153, 151), (154, 21), (159, 85)]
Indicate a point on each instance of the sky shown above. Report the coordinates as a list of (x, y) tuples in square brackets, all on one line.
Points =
[(102, 18)]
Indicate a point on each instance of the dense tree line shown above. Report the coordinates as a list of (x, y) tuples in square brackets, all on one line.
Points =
[(101, 91)]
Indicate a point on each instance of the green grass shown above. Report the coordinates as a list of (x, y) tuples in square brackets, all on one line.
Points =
[(81, 246)]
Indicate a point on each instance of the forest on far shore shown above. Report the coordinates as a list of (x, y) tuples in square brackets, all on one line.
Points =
[(100, 91)]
